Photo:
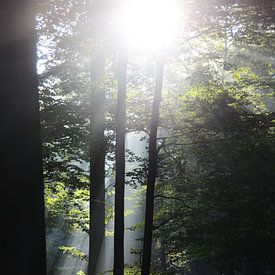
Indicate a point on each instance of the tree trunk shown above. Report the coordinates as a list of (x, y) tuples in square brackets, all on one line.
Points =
[(97, 168), (99, 15), (152, 172), (22, 200), (252, 267), (120, 167)]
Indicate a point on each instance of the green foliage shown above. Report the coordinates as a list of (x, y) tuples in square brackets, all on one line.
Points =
[(220, 209), (67, 208), (74, 252), (215, 194)]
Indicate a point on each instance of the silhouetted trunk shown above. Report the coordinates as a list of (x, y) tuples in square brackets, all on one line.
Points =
[(152, 172), (120, 167), (97, 168), (99, 15), (21, 202), (252, 267)]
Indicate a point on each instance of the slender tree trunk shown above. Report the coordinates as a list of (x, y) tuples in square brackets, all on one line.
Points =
[(120, 167), (99, 15), (152, 172), (21, 198), (97, 168)]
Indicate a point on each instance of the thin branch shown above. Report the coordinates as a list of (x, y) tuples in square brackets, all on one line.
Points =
[(174, 198)]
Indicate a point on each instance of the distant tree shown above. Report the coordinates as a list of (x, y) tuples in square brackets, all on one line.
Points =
[(22, 203)]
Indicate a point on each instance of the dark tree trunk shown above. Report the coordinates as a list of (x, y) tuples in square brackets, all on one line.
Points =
[(252, 267), (120, 167), (97, 168), (99, 14), (21, 200), (152, 172)]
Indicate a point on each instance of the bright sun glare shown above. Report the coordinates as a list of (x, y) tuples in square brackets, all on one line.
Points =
[(149, 25)]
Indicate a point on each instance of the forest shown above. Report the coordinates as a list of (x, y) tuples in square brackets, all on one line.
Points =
[(137, 137)]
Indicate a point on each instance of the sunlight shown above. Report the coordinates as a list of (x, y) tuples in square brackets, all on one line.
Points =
[(149, 25)]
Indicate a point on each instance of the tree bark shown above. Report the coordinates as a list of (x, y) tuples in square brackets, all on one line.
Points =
[(152, 173), (22, 199), (252, 266), (97, 168), (120, 167)]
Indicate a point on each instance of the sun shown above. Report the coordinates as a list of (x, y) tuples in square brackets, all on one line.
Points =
[(149, 25)]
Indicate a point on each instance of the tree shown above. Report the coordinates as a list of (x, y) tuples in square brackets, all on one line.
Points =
[(229, 70), (65, 95), (22, 203), (152, 173), (197, 155), (120, 167), (226, 55), (224, 200), (97, 169)]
